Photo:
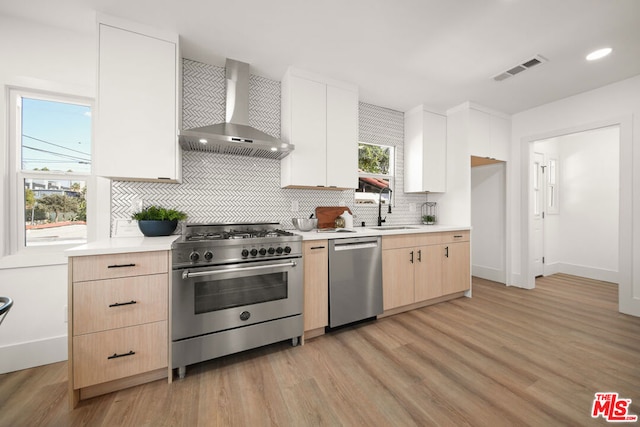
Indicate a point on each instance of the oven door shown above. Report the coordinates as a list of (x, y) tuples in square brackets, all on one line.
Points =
[(213, 299)]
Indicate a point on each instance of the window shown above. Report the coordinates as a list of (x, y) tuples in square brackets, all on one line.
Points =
[(552, 187), (375, 172), (50, 166)]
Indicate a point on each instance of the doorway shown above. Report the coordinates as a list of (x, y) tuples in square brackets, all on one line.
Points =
[(574, 193), (488, 219)]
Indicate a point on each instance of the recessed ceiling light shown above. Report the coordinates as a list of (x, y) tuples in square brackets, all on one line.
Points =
[(600, 53)]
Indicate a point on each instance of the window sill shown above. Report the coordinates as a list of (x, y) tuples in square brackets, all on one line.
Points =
[(35, 258)]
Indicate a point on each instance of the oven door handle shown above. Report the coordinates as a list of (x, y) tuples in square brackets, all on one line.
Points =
[(187, 275)]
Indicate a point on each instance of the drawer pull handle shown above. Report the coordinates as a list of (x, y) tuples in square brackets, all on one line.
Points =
[(119, 304), (317, 247), (446, 251), (411, 257), (457, 236), (116, 355), (420, 255), (120, 265)]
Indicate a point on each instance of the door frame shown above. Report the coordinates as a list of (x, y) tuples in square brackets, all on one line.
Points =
[(625, 241)]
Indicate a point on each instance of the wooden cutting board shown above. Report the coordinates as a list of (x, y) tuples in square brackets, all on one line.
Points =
[(327, 215)]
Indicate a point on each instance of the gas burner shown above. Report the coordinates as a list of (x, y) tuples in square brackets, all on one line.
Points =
[(206, 236), (240, 234)]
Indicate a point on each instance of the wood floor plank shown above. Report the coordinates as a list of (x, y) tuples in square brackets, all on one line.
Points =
[(507, 356)]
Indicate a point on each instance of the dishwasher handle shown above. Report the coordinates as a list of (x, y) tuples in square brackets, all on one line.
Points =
[(355, 244)]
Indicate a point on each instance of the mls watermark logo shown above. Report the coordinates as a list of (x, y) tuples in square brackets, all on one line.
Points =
[(612, 408)]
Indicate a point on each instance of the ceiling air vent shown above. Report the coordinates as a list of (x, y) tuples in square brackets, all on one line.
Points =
[(536, 60)]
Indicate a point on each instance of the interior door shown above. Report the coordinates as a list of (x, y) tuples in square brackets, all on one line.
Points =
[(537, 184)]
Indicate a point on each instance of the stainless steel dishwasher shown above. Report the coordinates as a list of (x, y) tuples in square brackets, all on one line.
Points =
[(355, 279)]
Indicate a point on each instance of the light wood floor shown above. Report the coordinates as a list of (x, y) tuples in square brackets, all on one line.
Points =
[(507, 356)]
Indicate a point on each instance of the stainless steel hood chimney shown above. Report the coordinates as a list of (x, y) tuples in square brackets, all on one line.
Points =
[(235, 136)]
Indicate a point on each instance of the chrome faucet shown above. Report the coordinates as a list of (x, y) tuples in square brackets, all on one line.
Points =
[(380, 219)]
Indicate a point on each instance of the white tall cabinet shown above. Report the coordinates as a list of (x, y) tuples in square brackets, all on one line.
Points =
[(320, 117), (425, 151), (138, 102)]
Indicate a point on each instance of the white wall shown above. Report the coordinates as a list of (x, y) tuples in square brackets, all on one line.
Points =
[(46, 58), (608, 105), (488, 209)]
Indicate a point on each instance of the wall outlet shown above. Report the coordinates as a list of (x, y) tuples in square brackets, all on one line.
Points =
[(412, 207), (294, 206)]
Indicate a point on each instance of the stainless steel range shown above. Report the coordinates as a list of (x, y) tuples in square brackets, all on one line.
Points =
[(234, 287)]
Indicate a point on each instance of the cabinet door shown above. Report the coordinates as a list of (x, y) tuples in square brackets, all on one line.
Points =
[(428, 280), (306, 165), (136, 135), (500, 138), (479, 133), (425, 153), (398, 277), (342, 138), (316, 284), (455, 267)]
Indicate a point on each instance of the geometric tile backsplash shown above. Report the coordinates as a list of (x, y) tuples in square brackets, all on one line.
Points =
[(227, 188)]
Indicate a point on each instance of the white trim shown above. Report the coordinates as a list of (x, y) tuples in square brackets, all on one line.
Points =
[(585, 271), (25, 355), (489, 273)]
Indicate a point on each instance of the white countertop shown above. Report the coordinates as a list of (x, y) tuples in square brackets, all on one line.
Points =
[(116, 245), (366, 231)]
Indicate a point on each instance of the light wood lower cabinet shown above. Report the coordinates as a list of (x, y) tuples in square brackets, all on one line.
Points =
[(119, 353), (316, 286), (118, 321), (422, 267)]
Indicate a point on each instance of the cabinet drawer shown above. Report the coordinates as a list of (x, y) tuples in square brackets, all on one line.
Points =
[(455, 236), (119, 353), (96, 267), (399, 241), (100, 305), (428, 239)]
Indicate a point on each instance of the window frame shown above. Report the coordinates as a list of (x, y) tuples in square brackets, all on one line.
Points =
[(16, 245), (389, 177)]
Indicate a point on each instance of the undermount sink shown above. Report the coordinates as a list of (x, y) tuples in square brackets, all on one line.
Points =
[(392, 227)]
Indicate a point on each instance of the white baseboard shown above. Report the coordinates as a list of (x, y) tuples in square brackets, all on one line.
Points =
[(552, 268), (16, 357), (588, 272), (489, 273)]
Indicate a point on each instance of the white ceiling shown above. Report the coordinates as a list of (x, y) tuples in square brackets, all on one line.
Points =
[(400, 52)]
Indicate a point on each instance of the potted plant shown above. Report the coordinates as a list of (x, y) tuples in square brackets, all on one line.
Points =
[(157, 221), (429, 219)]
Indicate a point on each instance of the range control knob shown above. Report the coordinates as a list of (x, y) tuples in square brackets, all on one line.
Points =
[(263, 251), (245, 253), (254, 252), (279, 250), (208, 255), (194, 256), (271, 251), (287, 250)]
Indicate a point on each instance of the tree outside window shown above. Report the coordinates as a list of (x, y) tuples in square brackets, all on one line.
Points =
[(375, 172)]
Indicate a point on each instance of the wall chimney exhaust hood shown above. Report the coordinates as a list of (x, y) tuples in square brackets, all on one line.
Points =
[(235, 136)]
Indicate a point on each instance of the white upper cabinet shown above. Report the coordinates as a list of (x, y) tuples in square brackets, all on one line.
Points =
[(425, 151), (138, 102), (489, 134), (320, 117)]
